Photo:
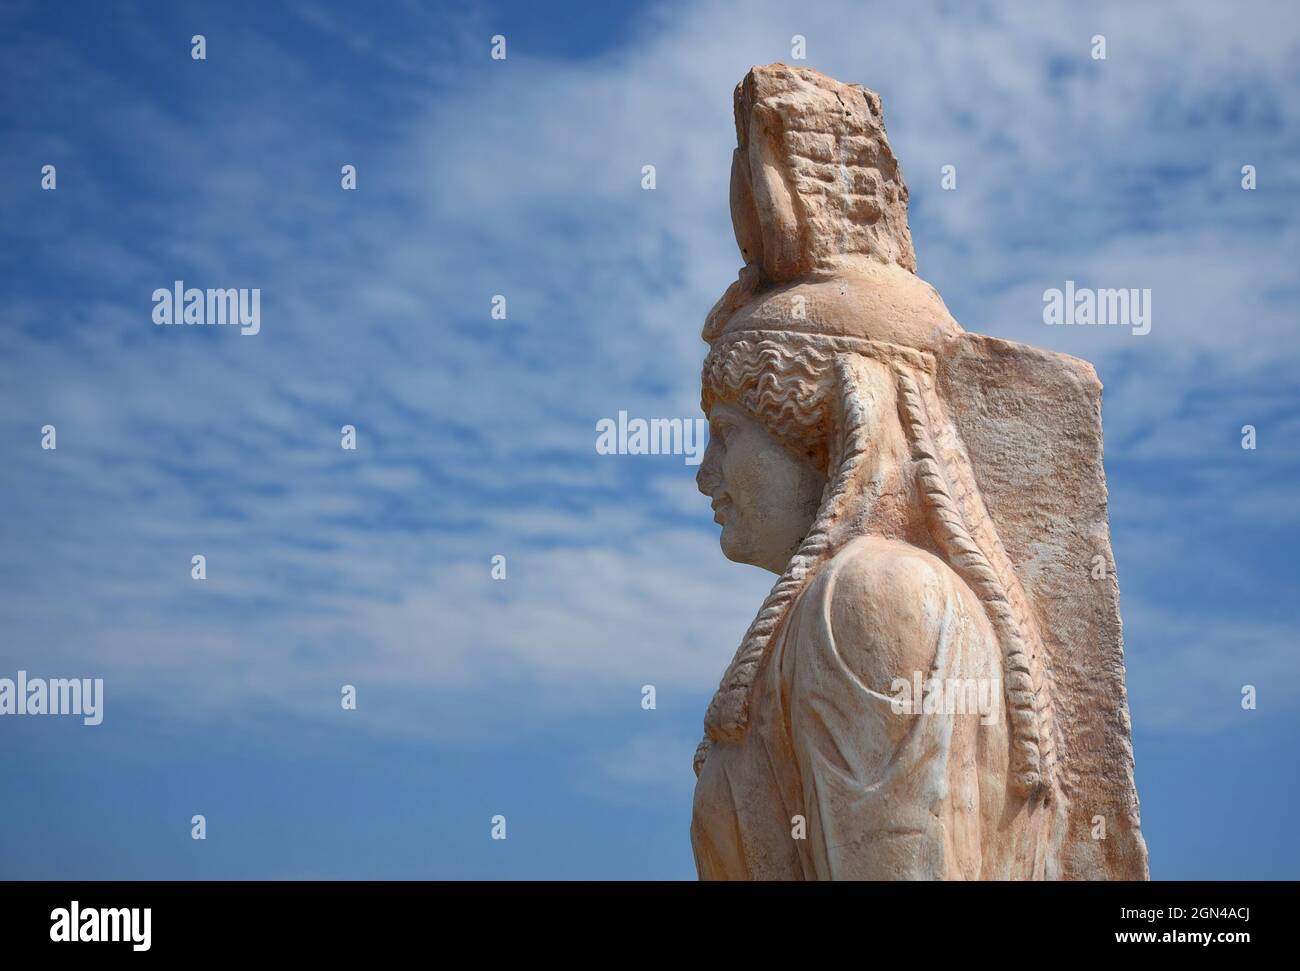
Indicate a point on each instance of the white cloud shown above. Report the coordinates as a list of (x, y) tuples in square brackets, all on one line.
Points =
[(522, 178)]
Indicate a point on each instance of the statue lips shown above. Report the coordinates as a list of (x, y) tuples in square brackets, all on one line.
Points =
[(719, 504)]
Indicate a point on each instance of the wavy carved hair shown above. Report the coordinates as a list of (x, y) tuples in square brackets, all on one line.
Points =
[(805, 389)]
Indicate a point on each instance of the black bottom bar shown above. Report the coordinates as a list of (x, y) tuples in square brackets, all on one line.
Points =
[(334, 920)]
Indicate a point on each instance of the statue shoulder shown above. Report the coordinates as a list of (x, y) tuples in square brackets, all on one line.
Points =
[(887, 581), (887, 603)]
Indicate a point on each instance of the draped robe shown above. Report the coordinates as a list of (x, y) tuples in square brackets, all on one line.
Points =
[(884, 794)]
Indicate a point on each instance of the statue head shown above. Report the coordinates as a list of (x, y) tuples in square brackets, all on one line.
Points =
[(784, 370)]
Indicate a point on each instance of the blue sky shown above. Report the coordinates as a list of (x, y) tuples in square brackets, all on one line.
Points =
[(476, 436)]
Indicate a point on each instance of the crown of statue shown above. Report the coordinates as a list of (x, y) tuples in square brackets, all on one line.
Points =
[(819, 208), (813, 178)]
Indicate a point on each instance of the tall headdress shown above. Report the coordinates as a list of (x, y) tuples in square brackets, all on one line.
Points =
[(1005, 442)]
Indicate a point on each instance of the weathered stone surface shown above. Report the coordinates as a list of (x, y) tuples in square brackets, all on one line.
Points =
[(934, 504)]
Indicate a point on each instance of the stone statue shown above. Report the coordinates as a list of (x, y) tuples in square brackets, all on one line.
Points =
[(934, 688)]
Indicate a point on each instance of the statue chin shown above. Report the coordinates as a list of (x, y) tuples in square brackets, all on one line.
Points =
[(742, 547), (734, 545)]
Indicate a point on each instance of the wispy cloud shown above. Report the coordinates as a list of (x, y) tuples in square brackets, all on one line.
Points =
[(521, 178)]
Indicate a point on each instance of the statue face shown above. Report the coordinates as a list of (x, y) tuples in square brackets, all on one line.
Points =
[(764, 496)]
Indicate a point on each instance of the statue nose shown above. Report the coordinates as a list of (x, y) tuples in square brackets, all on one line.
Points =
[(703, 480), (706, 477)]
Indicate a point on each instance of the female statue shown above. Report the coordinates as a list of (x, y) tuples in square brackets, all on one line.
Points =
[(845, 406)]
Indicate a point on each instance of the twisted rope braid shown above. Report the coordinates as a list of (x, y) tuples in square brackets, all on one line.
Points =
[(980, 524), (728, 713), (986, 567)]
